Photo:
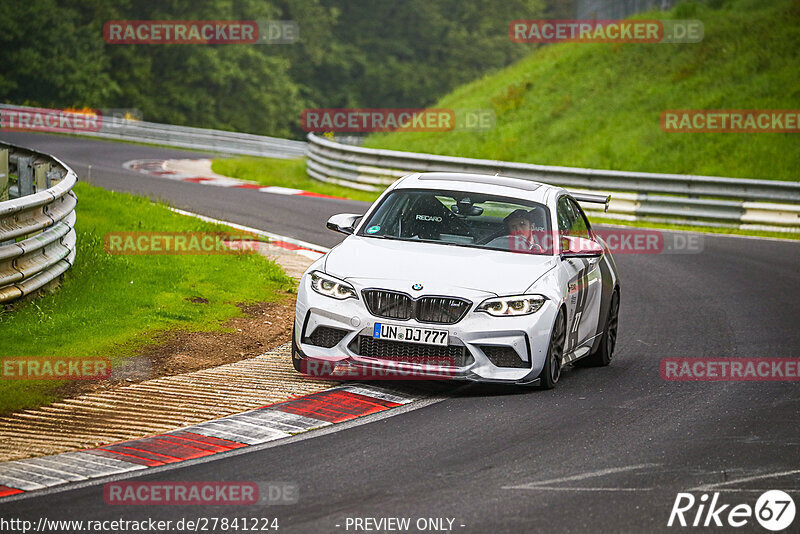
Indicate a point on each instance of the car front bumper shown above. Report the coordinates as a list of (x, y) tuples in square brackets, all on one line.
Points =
[(528, 336)]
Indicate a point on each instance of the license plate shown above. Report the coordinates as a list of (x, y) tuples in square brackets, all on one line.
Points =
[(410, 334)]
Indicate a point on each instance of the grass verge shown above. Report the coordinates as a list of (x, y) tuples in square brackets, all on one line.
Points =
[(284, 173), (111, 305)]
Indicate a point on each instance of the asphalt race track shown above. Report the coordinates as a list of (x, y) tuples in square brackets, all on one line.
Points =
[(607, 451), (278, 213)]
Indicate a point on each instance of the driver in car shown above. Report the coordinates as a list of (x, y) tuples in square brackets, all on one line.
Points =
[(521, 227)]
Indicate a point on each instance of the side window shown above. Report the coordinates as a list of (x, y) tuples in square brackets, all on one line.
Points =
[(580, 226), (564, 215)]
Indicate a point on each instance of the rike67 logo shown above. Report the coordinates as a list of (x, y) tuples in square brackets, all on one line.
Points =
[(774, 510)]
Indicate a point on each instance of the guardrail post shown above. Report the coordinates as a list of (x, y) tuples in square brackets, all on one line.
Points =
[(52, 174), (4, 184), (25, 176), (41, 177)]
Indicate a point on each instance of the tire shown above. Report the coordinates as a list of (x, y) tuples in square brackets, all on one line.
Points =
[(555, 352), (296, 360), (605, 352)]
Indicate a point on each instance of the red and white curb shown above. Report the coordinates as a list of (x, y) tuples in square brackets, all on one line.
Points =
[(159, 167), (303, 248), (262, 425)]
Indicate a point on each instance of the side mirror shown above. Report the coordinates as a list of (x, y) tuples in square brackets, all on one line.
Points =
[(580, 247), (344, 223)]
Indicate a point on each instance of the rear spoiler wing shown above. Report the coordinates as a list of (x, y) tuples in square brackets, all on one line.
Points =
[(593, 198)]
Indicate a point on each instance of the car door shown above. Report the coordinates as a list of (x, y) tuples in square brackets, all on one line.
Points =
[(583, 274)]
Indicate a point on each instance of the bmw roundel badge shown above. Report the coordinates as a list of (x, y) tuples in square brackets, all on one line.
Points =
[(416, 287)]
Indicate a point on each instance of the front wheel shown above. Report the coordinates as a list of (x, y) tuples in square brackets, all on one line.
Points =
[(551, 371)]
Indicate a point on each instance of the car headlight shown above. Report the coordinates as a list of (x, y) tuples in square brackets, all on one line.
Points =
[(512, 306), (332, 287)]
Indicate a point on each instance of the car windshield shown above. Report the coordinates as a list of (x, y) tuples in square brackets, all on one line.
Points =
[(462, 219)]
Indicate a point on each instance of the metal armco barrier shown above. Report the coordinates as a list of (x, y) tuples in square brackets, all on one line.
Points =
[(37, 235), (185, 136), (200, 139), (669, 198)]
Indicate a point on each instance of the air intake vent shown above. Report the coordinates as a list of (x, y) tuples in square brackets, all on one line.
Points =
[(326, 337), (503, 356), (400, 351)]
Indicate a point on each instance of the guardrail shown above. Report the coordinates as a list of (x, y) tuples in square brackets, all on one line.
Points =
[(668, 198), (110, 127), (37, 220)]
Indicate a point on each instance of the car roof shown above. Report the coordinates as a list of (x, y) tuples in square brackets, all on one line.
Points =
[(478, 183)]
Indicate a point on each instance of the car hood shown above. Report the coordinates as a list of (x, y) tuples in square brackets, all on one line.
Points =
[(398, 264)]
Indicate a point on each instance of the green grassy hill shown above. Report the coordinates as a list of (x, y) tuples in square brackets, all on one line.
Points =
[(598, 105)]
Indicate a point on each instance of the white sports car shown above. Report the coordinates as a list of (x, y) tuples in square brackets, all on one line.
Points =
[(461, 276)]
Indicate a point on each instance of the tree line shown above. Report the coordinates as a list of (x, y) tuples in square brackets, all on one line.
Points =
[(351, 53)]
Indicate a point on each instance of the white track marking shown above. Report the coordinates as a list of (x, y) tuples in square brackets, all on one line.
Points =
[(582, 476), (85, 469), (93, 459), (19, 483), (275, 189), (284, 421), (30, 475), (238, 431), (562, 488), (34, 466), (199, 171), (374, 391), (706, 487)]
